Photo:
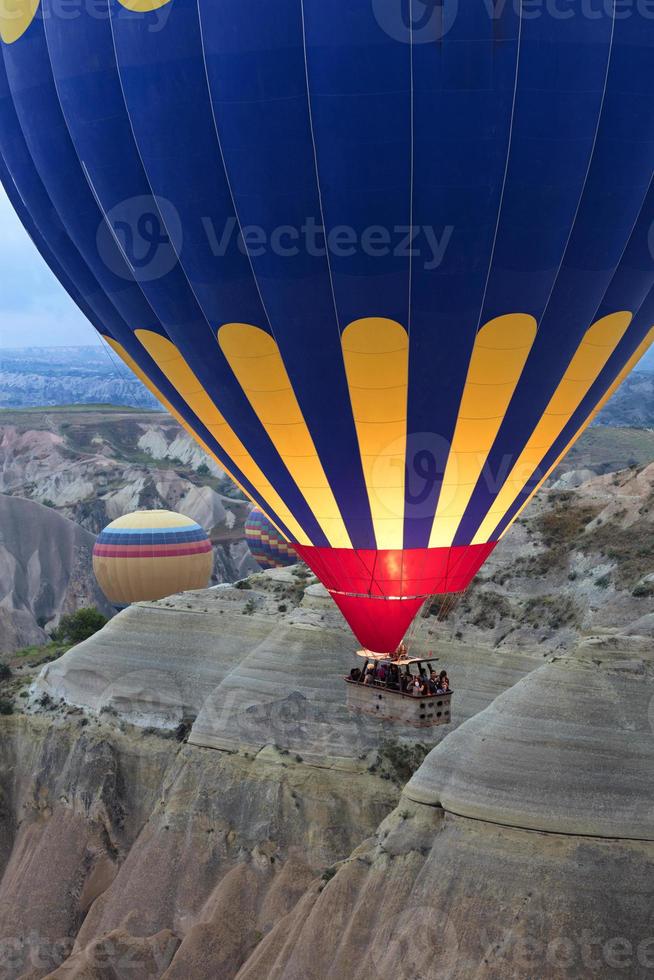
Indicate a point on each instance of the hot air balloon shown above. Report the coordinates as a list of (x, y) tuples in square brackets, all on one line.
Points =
[(384, 263), (268, 547), (151, 554)]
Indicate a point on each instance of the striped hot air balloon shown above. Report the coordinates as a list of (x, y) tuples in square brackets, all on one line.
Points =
[(268, 547), (151, 554), (385, 260)]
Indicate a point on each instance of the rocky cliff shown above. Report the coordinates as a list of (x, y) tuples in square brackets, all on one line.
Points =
[(94, 464), (45, 571), (521, 847)]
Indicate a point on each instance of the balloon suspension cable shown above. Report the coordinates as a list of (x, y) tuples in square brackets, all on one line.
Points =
[(118, 366), (411, 635), (449, 604)]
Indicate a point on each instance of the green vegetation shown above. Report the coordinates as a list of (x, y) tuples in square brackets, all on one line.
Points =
[(78, 626), (489, 608), (38, 654), (550, 612), (397, 761), (562, 530), (630, 549)]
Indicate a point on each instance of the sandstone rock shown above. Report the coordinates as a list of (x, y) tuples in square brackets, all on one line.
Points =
[(45, 571), (569, 749), (249, 668)]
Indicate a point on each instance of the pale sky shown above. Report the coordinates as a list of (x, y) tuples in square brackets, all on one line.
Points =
[(35, 311)]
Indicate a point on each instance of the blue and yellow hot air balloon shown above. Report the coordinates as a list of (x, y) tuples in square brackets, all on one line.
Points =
[(150, 554), (267, 545), (384, 259)]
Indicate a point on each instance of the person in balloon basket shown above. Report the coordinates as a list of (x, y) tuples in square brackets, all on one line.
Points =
[(418, 686)]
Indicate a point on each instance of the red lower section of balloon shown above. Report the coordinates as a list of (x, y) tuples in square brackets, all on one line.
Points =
[(380, 592)]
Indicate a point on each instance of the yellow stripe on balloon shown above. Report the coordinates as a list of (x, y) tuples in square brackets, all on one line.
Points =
[(499, 355), (597, 345), (629, 366), (256, 361), (376, 356), (175, 368), (15, 17), (143, 6)]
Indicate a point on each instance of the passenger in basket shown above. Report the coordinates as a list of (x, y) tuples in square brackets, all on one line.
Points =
[(416, 687)]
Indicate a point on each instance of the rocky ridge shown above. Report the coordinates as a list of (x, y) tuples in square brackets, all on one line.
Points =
[(522, 846)]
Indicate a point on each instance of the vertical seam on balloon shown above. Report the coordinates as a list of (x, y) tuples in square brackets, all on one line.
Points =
[(77, 156), (616, 270), (506, 172), (324, 227), (154, 197), (227, 177), (591, 157), (411, 175), (410, 276), (315, 164)]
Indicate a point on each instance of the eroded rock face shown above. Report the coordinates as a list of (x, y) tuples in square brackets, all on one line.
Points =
[(446, 898), (453, 886), (521, 848), (253, 667), (569, 749), (129, 853), (45, 571)]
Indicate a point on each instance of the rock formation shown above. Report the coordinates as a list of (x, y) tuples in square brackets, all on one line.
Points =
[(247, 668), (45, 571), (522, 847)]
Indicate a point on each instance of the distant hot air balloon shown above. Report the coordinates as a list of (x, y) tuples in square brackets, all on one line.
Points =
[(385, 270), (151, 554), (268, 547)]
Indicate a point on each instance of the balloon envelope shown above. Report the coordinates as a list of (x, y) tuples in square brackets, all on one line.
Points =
[(268, 547), (385, 264), (151, 554)]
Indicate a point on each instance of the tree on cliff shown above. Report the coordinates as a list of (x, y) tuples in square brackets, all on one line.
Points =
[(78, 626)]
